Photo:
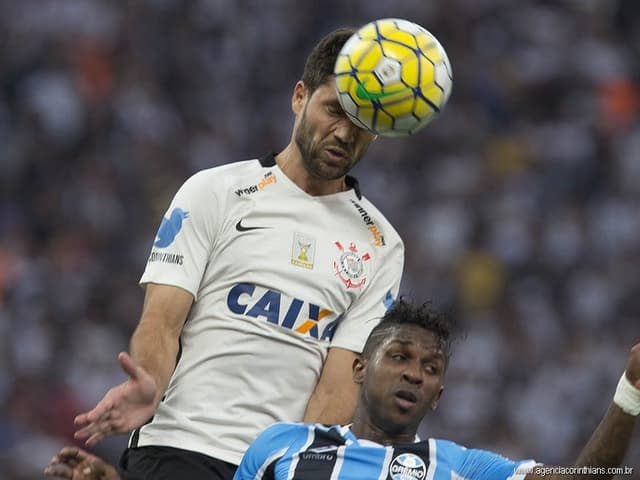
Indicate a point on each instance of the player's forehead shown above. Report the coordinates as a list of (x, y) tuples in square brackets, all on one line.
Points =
[(414, 336), (326, 91)]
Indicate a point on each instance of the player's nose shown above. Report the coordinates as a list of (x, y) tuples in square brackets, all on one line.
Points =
[(346, 131), (413, 373)]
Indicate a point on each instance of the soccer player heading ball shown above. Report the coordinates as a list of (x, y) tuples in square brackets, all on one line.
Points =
[(263, 282)]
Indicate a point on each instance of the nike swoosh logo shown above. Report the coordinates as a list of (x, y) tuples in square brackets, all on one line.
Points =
[(240, 228), (363, 94)]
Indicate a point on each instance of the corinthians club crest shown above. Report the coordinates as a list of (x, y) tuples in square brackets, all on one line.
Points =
[(350, 266)]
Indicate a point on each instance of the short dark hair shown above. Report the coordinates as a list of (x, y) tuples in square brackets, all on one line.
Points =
[(322, 59), (404, 312)]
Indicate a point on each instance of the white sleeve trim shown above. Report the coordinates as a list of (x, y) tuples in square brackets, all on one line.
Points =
[(270, 459)]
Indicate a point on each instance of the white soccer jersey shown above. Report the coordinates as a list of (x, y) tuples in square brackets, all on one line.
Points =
[(278, 277)]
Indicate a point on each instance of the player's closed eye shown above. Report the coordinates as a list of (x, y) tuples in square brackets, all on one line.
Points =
[(334, 110)]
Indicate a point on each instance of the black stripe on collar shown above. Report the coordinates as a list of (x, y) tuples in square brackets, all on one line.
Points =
[(269, 160), (352, 182)]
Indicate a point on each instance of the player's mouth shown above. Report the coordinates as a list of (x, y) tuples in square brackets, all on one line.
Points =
[(336, 154), (405, 399)]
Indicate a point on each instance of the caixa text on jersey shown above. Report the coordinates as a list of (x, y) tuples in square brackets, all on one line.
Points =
[(301, 316)]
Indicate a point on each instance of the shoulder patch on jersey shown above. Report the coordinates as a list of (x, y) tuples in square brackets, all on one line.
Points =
[(170, 227)]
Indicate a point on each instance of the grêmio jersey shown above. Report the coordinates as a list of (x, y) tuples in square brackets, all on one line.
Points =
[(278, 277), (319, 452)]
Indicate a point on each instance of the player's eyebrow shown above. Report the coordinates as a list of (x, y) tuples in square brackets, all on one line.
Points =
[(438, 348)]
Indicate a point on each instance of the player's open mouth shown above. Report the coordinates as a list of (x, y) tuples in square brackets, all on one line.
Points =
[(336, 154), (405, 399)]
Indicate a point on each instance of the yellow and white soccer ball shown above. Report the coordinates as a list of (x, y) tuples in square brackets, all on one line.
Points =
[(393, 77)]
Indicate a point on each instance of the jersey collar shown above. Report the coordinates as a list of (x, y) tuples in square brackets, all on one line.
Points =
[(269, 160), (347, 433)]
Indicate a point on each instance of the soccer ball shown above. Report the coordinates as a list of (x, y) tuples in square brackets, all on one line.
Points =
[(393, 77)]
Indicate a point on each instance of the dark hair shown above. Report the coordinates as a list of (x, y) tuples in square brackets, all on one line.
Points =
[(322, 59), (402, 313)]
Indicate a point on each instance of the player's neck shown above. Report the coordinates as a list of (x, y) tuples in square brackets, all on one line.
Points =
[(365, 428), (290, 162)]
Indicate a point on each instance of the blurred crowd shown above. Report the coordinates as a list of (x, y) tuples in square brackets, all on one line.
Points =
[(518, 206)]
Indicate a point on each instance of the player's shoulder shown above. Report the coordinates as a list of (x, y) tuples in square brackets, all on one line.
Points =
[(296, 430), (286, 429), (447, 453), (446, 446), (456, 454), (230, 170), (377, 222), (223, 178)]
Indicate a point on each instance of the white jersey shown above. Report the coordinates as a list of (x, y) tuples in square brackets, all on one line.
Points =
[(278, 277)]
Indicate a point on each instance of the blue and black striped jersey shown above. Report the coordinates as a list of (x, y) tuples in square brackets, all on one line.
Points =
[(318, 452)]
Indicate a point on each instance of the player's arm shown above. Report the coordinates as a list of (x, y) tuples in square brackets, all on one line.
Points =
[(154, 347), (333, 400), (188, 229), (608, 445)]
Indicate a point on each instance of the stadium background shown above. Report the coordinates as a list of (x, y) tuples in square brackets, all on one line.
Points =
[(519, 206)]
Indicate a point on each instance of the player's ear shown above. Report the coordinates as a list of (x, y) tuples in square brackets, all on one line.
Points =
[(299, 96), (358, 369), (436, 400)]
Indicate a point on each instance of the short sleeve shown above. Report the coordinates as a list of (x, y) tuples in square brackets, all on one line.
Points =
[(186, 234), (368, 310), (271, 445), (475, 464)]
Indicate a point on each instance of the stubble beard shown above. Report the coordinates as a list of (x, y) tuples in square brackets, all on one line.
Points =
[(311, 154)]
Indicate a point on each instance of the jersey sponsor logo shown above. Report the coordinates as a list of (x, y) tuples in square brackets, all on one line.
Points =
[(165, 257), (288, 312), (303, 251), (317, 457), (407, 466), (269, 179), (378, 238), (242, 228), (350, 265), (170, 227)]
